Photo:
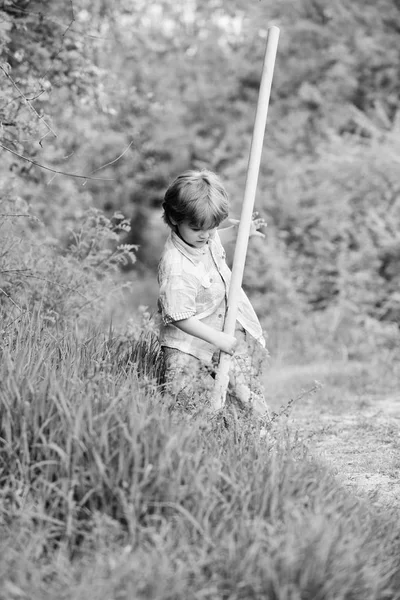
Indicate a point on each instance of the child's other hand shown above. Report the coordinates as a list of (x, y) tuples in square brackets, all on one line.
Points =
[(256, 224), (226, 343)]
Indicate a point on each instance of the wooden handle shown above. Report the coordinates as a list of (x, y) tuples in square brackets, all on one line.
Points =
[(239, 259)]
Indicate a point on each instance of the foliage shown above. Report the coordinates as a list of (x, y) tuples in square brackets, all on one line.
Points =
[(70, 285), (37, 57), (108, 78), (350, 229), (337, 209)]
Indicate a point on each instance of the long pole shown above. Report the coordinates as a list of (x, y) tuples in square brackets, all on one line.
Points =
[(239, 259)]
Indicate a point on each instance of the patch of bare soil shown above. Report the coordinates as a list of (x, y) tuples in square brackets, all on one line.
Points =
[(352, 423)]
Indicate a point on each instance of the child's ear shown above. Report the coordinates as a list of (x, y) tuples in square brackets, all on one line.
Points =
[(174, 223)]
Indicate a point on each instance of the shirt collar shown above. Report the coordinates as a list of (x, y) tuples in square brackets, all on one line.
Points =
[(193, 254)]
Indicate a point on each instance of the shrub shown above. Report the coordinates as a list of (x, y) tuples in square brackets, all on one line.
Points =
[(74, 282)]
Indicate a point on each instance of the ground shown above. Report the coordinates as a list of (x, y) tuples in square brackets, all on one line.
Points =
[(352, 422)]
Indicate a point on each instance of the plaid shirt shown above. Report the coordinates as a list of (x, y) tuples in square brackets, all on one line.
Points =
[(195, 282)]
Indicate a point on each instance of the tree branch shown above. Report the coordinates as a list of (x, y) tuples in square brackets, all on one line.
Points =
[(115, 159), (17, 215), (56, 21), (13, 321), (62, 38), (33, 162), (27, 101), (14, 270), (11, 300), (65, 287)]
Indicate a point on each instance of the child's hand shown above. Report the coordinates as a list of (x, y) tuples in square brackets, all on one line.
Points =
[(226, 343), (256, 224)]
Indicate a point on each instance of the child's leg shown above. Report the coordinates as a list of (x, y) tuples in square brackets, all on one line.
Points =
[(244, 375), (186, 380)]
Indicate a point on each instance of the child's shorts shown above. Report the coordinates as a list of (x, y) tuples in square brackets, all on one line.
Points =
[(189, 382)]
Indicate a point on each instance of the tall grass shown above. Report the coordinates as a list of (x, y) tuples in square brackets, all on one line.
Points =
[(107, 494)]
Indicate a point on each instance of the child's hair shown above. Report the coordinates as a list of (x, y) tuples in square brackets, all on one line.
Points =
[(198, 197)]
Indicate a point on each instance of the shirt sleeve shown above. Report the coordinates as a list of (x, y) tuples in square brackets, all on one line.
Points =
[(178, 291)]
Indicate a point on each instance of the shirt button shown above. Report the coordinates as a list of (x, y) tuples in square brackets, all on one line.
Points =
[(220, 316)]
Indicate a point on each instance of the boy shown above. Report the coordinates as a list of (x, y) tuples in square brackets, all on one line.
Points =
[(194, 284)]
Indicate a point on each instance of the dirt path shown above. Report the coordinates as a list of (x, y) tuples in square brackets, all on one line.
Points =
[(352, 422)]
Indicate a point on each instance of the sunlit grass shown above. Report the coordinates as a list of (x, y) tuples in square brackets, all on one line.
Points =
[(106, 493)]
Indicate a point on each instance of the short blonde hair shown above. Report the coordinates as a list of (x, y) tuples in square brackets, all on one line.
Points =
[(197, 197)]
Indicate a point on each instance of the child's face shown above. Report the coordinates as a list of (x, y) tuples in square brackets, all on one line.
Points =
[(195, 237)]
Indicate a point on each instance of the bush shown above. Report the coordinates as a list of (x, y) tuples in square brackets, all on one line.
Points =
[(71, 283)]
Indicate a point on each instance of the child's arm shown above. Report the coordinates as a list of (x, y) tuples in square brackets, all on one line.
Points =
[(229, 234), (193, 326)]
